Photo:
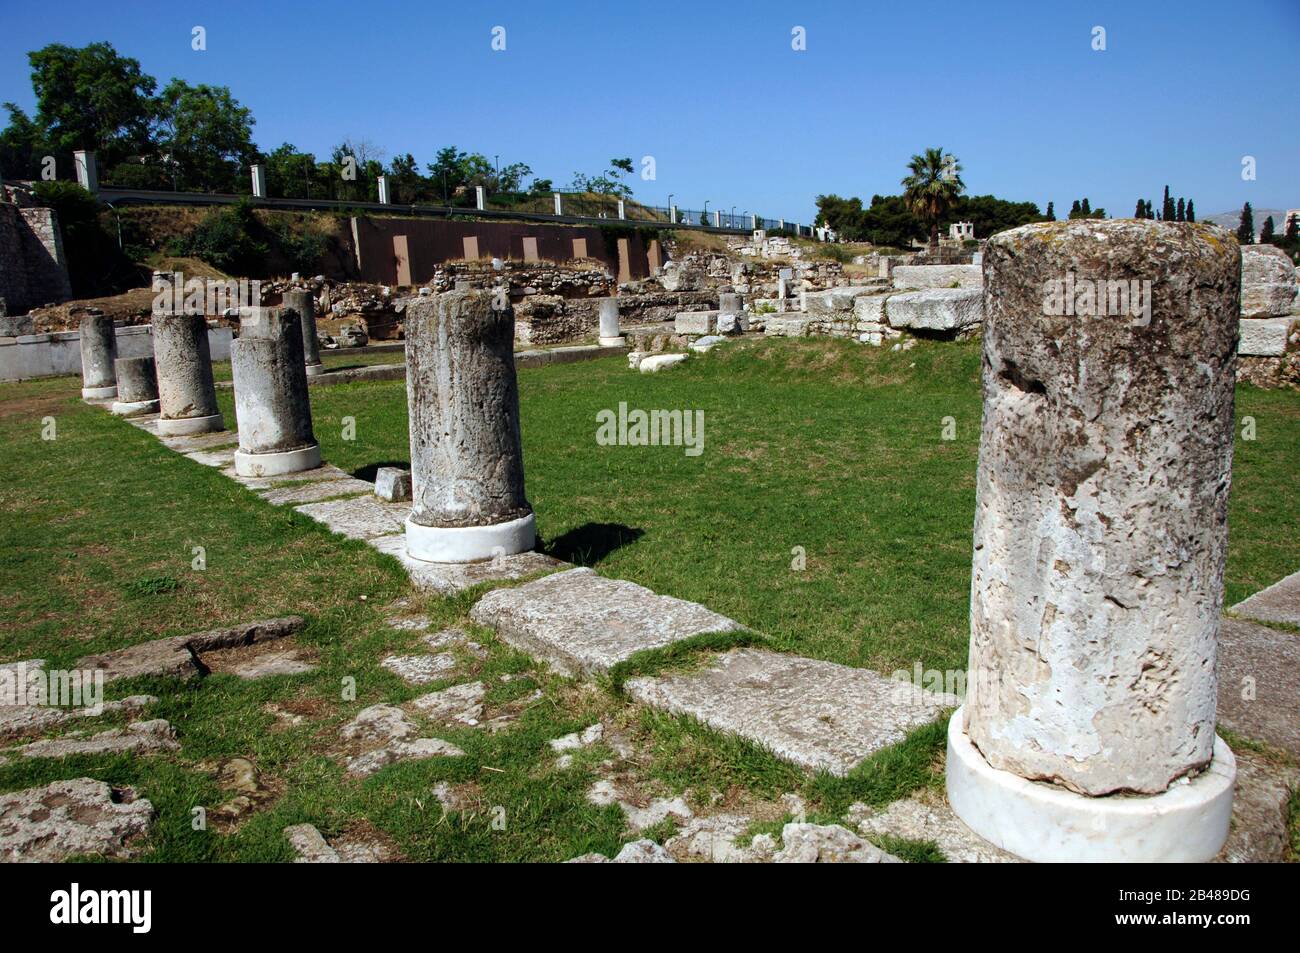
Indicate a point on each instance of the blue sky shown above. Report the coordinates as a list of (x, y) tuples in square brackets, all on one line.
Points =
[(730, 112)]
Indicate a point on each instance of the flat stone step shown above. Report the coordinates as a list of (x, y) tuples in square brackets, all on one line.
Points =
[(311, 492), (360, 517), (1280, 602), (1256, 669), (817, 715), (581, 623)]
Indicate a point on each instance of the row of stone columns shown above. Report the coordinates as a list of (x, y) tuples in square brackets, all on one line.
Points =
[(1088, 731)]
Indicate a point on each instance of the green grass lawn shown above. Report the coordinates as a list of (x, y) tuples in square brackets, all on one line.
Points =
[(827, 446)]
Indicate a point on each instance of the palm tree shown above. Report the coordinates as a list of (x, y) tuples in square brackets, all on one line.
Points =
[(932, 189)]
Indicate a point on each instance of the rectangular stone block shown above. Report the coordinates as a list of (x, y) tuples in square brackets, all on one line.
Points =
[(833, 300), (1265, 337), (696, 322), (869, 308), (938, 276), (936, 309), (780, 325), (817, 715), (581, 623)]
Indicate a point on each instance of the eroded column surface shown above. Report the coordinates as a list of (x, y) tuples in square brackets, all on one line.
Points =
[(467, 461), (1102, 492), (272, 408), (187, 398), (303, 303), (98, 352), (137, 387), (609, 331)]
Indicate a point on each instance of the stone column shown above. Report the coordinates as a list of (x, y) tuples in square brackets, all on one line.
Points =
[(137, 387), (303, 304), (98, 351), (609, 332), (1100, 534), (187, 399), (272, 408), (467, 463)]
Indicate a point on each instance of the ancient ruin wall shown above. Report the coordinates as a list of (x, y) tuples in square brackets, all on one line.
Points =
[(33, 269)]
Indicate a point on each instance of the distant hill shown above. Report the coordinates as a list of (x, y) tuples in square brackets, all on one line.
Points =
[(1230, 220)]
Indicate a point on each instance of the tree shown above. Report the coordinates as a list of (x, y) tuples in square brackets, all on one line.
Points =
[(1085, 208), (91, 98), (511, 178), (1266, 234), (1292, 229), (931, 188), (1167, 211), (22, 143), (1191, 211), (293, 174), (1246, 230), (1051, 212), (1141, 211), (1075, 210), (206, 135)]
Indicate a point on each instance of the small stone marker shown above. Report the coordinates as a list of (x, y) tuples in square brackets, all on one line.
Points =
[(272, 407), (467, 460), (303, 304), (1100, 536), (393, 484), (98, 352), (187, 397), (137, 387)]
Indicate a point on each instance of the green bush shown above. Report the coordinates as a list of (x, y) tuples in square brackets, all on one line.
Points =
[(226, 239)]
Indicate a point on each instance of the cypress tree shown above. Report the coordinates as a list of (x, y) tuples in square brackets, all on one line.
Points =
[(1141, 210), (1266, 233), (1181, 214), (1074, 209), (1246, 230), (1086, 208), (1051, 212), (1191, 211), (1167, 207)]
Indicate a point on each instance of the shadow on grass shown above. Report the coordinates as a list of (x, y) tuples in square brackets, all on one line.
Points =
[(370, 470), (591, 542)]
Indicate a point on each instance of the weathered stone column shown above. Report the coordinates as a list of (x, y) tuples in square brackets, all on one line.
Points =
[(303, 303), (137, 387), (467, 462), (1100, 534), (98, 352), (272, 408), (609, 332), (187, 399)]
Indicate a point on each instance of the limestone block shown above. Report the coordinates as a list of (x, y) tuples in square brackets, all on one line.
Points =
[(936, 309)]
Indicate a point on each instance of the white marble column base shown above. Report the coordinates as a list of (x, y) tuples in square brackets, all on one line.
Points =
[(186, 426), (98, 393), (468, 544), (1046, 823), (274, 464), (134, 408)]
